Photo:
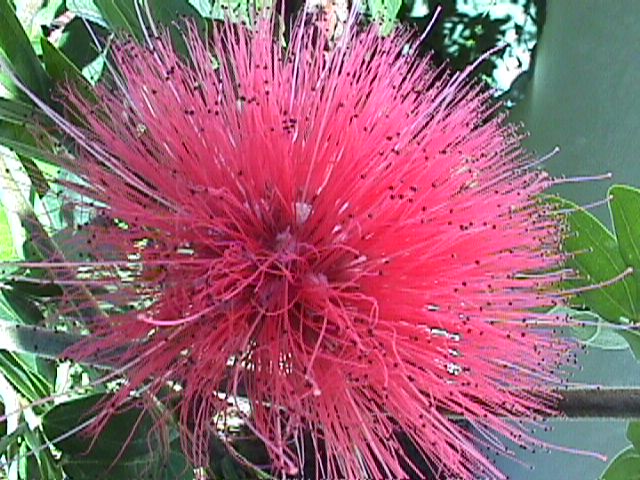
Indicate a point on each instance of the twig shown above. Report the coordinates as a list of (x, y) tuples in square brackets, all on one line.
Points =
[(575, 402)]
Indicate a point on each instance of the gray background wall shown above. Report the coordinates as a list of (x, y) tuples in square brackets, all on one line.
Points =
[(585, 97)]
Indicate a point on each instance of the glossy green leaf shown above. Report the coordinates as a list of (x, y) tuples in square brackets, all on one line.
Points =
[(28, 383), (20, 140), (170, 14), (78, 44), (16, 337), (17, 137), (633, 339), (25, 309), (625, 211), (61, 69), (204, 7), (626, 466), (17, 49), (597, 259), (633, 434), (87, 9), (121, 16), (15, 111), (126, 447), (168, 11), (41, 463), (385, 12), (7, 250), (592, 330), (13, 438), (231, 470)]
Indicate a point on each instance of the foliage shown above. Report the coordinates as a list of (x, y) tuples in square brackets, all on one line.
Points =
[(626, 465), (57, 44), (608, 282), (606, 262)]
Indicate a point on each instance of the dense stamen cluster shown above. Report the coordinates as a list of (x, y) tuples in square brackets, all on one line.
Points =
[(339, 236)]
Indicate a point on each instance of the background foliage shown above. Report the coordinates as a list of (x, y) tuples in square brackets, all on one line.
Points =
[(45, 400)]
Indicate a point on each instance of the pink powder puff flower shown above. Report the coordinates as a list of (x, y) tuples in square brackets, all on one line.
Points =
[(346, 237)]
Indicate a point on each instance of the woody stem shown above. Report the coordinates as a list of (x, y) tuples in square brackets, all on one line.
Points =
[(583, 402)]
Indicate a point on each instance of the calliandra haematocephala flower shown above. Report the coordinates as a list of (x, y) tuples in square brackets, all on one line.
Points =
[(349, 238)]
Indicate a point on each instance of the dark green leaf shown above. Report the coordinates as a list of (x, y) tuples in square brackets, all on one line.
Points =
[(168, 11), (25, 309), (36, 174), (87, 9), (20, 140), (41, 464), (170, 14), (230, 470), (625, 211), (204, 7), (633, 339), (13, 438), (31, 289), (121, 16), (126, 447), (61, 69), (626, 466), (29, 384), (597, 259), (40, 341), (15, 111), (633, 434), (77, 44), (17, 49)]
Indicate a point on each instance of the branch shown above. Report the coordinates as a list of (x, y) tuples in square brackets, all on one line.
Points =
[(585, 402)]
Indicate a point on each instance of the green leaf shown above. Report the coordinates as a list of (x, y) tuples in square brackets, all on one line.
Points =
[(231, 470), (61, 69), (168, 12), (625, 212), (41, 341), (20, 140), (93, 71), (125, 448), (13, 438), (41, 22), (626, 466), (597, 259), (385, 12), (592, 330), (41, 464), (7, 250), (120, 16), (17, 49), (25, 309), (87, 9), (28, 383), (15, 111), (77, 42), (204, 7), (633, 339), (229, 10), (633, 434)]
